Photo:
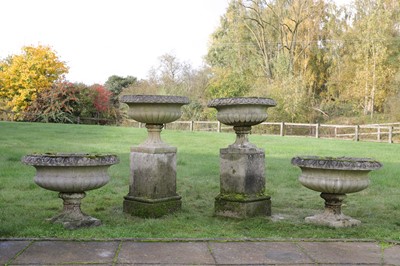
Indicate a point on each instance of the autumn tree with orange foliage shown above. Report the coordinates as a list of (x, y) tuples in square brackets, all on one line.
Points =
[(24, 76)]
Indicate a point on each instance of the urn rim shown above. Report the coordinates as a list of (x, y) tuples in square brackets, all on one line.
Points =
[(241, 101), (70, 159), (336, 163), (163, 99)]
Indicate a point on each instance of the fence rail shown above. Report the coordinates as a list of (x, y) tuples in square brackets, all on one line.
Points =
[(385, 132), (388, 132)]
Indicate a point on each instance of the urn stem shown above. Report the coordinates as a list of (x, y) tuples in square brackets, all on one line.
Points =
[(333, 203), (72, 203), (242, 137), (154, 135)]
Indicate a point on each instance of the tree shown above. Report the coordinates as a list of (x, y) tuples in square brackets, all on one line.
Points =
[(24, 76), (115, 84), (58, 104), (367, 67)]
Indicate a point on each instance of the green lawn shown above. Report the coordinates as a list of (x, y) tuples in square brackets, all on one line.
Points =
[(24, 206)]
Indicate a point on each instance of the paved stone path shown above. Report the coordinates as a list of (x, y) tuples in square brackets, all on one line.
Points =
[(199, 252)]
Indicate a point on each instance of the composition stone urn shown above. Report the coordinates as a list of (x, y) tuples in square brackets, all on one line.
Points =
[(334, 178), (71, 175), (152, 190), (242, 164)]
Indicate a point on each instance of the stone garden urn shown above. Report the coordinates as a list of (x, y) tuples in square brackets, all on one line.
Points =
[(242, 164), (71, 175), (152, 190), (334, 178)]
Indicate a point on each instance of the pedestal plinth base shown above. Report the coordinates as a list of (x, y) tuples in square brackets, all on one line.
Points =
[(242, 183), (152, 192), (242, 208), (148, 208)]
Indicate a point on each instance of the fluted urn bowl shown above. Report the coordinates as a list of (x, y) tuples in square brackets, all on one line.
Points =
[(242, 113), (71, 175), (334, 178), (154, 109)]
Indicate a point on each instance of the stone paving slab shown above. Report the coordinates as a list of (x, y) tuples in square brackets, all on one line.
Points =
[(258, 253), (391, 255), (9, 249), (165, 253), (200, 252), (67, 252), (343, 253)]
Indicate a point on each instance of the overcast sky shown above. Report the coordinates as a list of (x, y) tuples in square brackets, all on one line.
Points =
[(100, 38)]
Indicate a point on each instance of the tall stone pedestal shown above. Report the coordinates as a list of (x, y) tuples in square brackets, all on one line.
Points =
[(242, 183), (152, 191)]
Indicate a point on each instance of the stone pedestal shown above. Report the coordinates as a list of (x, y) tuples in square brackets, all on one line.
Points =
[(152, 190), (242, 183)]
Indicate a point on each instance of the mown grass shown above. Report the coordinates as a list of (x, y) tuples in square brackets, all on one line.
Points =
[(24, 206)]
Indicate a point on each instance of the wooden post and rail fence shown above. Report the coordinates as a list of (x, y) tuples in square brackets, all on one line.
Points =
[(386, 132)]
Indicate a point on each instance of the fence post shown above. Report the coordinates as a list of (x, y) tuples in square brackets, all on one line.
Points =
[(317, 130), (282, 130), (356, 133), (378, 137), (390, 134), (219, 127), (336, 132), (191, 126)]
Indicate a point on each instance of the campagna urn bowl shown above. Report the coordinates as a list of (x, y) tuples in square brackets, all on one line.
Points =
[(71, 174), (242, 113), (154, 109), (334, 178)]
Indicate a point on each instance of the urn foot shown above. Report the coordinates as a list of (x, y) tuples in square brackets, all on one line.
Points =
[(333, 216), (72, 217)]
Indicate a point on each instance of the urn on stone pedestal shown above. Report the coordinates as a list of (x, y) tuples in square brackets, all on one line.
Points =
[(242, 164), (71, 175), (152, 190), (334, 177)]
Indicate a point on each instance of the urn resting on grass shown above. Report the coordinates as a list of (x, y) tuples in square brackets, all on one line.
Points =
[(152, 190), (71, 175), (242, 164), (334, 177)]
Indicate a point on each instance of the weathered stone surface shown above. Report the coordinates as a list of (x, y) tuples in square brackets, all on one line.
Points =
[(241, 111), (334, 177), (71, 175), (242, 171), (165, 253), (337, 163), (343, 253), (242, 184), (243, 208), (153, 175), (258, 253), (68, 252), (152, 191), (9, 249), (154, 109), (391, 255)]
